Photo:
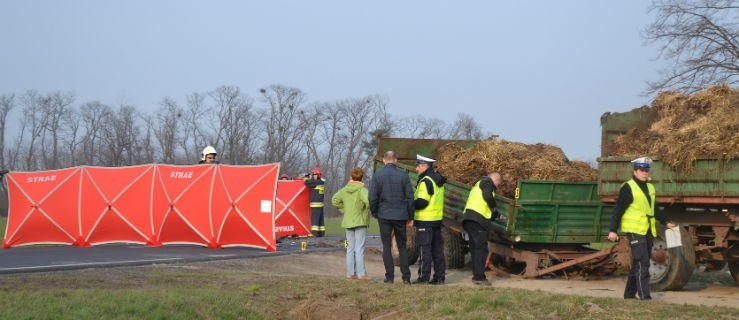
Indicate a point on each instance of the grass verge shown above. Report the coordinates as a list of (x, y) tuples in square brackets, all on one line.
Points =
[(194, 292)]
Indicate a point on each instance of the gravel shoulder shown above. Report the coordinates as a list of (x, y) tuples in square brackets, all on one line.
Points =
[(710, 289)]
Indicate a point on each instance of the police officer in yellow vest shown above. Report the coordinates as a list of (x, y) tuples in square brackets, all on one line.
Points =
[(635, 214), (429, 205), (479, 212)]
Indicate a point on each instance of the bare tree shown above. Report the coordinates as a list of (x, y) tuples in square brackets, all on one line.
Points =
[(120, 138), (311, 142), (146, 152), (702, 40), (33, 122), (71, 139), (95, 116), (284, 125), (419, 126), (195, 123), (465, 127), (166, 129), (53, 107), (7, 104), (235, 124)]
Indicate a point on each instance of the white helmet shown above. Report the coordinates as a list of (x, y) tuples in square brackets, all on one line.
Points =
[(209, 150)]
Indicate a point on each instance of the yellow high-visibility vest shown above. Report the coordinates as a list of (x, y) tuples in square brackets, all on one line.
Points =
[(639, 216), (476, 202), (435, 210)]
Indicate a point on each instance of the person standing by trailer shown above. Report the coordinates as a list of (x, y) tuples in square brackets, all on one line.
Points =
[(429, 214), (634, 214), (391, 202), (316, 184), (479, 211)]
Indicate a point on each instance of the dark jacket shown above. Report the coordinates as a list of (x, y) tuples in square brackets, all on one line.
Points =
[(423, 203), (316, 191), (625, 198), (488, 187), (391, 194)]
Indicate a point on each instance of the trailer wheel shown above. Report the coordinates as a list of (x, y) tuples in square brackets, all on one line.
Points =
[(670, 269), (734, 269), (410, 244), (453, 248)]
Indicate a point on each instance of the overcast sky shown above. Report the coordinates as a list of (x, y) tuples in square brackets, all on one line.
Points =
[(531, 71)]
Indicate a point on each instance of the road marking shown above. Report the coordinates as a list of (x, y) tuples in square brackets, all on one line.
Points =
[(77, 265)]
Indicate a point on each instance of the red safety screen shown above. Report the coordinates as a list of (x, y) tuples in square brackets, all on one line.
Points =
[(209, 205), (292, 209)]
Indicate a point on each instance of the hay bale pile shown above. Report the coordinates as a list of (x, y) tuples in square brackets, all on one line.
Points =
[(705, 124), (514, 160)]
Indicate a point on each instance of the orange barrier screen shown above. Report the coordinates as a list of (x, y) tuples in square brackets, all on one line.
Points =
[(292, 211), (209, 205)]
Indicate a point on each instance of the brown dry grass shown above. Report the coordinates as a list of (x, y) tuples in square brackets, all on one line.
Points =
[(705, 124), (514, 160)]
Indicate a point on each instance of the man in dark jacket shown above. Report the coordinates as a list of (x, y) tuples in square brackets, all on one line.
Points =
[(429, 205), (391, 202), (479, 211)]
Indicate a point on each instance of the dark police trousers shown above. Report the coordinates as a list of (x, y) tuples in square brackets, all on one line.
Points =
[(430, 250), (641, 252), (478, 248)]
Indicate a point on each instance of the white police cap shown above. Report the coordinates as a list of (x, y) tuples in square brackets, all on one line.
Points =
[(643, 162), (422, 159)]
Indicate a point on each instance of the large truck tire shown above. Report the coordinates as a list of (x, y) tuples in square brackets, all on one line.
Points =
[(734, 269), (670, 269), (410, 244), (453, 248)]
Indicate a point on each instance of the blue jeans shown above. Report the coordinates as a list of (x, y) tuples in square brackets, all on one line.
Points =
[(355, 238)]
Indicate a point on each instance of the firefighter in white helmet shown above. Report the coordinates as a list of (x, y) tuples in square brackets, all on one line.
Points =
[(209, 156)]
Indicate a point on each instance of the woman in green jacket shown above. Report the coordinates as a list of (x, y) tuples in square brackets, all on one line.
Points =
[(352, 200)]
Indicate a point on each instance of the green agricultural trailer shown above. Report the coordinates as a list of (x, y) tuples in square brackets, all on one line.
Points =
[(548, 227)]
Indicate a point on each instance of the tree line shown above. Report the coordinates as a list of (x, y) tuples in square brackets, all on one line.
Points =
[(44, 131)]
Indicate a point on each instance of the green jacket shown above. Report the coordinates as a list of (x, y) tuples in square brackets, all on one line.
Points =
[(352, 200)]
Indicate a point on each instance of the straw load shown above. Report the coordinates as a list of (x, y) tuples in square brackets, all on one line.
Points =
[(514, 160), (687, 127)]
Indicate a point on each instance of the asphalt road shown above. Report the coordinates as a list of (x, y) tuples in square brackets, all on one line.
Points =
[(58, 258)]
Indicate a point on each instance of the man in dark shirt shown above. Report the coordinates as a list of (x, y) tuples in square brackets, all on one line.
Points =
[(391, 202)]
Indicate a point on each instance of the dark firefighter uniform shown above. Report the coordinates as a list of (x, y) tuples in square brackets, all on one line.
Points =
[(316, 186), (634, 215), (429, 214), (479, 211)]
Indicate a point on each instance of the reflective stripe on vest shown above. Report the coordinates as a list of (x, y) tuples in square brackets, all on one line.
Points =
[(477, 203), (639, 216), (435, 210)]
